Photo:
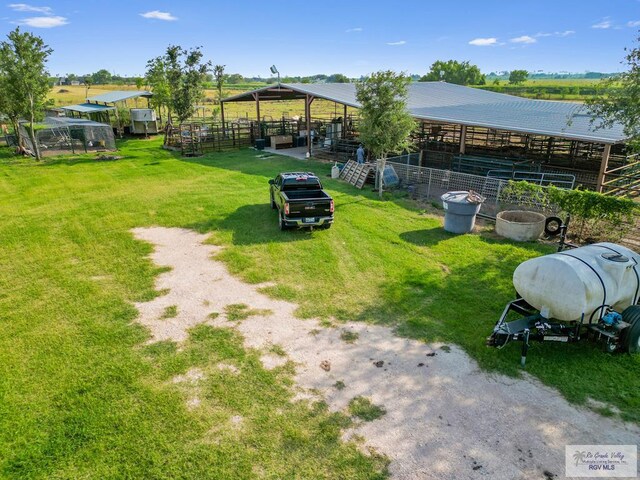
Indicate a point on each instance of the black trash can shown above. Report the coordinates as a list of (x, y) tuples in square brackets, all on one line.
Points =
[(260, 143)]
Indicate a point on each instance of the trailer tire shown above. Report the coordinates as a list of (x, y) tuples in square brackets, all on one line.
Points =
[(552, 226), (631, 339), (273, 204)]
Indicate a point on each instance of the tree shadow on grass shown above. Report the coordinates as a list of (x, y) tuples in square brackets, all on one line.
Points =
[(427, 236), (251, 225), (461, 304)]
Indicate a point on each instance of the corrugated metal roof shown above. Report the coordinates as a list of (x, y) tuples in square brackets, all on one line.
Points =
[(66, 121), (87, 108), (119, 96), (446, 102)]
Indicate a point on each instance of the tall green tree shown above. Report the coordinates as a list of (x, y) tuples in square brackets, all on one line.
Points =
[(24, 80), (452, 71), (101, 77), (177, 79), (619, 101), (219, 78), (385, 123), (158, 81), (517, 77), (338, 78)]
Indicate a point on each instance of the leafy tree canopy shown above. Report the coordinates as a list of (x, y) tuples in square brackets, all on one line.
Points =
[(338, 78), (24, 80), (621, 104), (177, 80), (452, 71), (385, 123), (101, 77), (518, 76)]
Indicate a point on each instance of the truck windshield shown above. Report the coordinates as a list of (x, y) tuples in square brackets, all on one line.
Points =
[(306, 184)]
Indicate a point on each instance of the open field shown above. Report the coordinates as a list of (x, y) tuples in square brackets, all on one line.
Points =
[(569, 89), (83, 396), (69, 95)]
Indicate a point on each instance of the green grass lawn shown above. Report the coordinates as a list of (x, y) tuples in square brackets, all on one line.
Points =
[(82, 396)]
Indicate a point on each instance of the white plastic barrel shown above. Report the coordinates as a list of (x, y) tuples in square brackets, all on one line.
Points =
[(335, 171), (579, 281)]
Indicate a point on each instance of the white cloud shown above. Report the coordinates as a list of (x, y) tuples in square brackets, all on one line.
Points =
[(633, 23), (523, 39), (603, 24), (352, 30), (393, 44), (158, 15), (565, 33), (484, 42), (23, 7), (43, 22)]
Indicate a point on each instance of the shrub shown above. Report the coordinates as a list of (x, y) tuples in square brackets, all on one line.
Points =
[(594, 216)]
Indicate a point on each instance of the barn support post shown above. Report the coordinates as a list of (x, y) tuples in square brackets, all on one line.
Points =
[(256, 97), (344, 122), (463, 139), (307, 113), (118, 123), (222, 117), (604, 164)]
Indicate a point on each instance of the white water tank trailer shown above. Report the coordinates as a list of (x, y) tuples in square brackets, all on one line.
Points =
[(590, 291), (573, 283)]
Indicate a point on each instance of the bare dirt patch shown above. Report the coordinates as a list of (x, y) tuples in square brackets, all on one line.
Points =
[(444, 418)]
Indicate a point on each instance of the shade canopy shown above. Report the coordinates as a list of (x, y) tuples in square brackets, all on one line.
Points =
[(457, 104)]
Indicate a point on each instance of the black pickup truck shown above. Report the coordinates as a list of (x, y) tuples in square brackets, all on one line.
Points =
[(300, 201)]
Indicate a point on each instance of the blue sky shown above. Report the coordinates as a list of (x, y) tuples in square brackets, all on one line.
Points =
[(350, 37)]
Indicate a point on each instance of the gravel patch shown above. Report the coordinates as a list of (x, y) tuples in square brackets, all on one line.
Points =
[(445, 418)]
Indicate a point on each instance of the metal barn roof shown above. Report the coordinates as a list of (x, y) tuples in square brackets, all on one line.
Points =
[(119, 96), (69, 122), (449, 103), (87, 108)]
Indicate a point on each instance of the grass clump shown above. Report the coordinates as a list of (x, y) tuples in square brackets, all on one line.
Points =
[(241, 311), (348, 336), (170, 312), (213, 315), (362, 408), (277, 350), (339, 385)]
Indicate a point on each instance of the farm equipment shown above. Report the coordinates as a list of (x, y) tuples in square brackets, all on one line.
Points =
[(578, 292)]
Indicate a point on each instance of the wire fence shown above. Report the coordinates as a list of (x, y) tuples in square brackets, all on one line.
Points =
[(429, 184)]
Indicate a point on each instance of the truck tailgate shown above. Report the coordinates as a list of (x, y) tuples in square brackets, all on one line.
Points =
[(309, 208)]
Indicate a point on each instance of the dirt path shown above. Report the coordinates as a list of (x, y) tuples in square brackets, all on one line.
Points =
[(445, 419)]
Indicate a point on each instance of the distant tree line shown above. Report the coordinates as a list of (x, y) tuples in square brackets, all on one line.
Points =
[(451, 71)]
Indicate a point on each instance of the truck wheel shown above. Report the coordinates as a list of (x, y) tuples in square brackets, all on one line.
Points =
[(282, 224), (326, 226), (631, 336), (273, 204)]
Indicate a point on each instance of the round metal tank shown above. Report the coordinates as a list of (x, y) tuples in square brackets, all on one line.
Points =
[(567, 284)]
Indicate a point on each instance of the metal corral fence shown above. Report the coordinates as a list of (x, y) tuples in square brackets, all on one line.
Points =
[(430, 183), (194, 139)]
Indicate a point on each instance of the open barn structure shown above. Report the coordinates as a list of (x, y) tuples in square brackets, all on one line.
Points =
[(109, 108), (473, 131)]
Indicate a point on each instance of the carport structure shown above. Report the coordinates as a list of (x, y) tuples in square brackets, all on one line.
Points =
[(99, 107), (464, 127)]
